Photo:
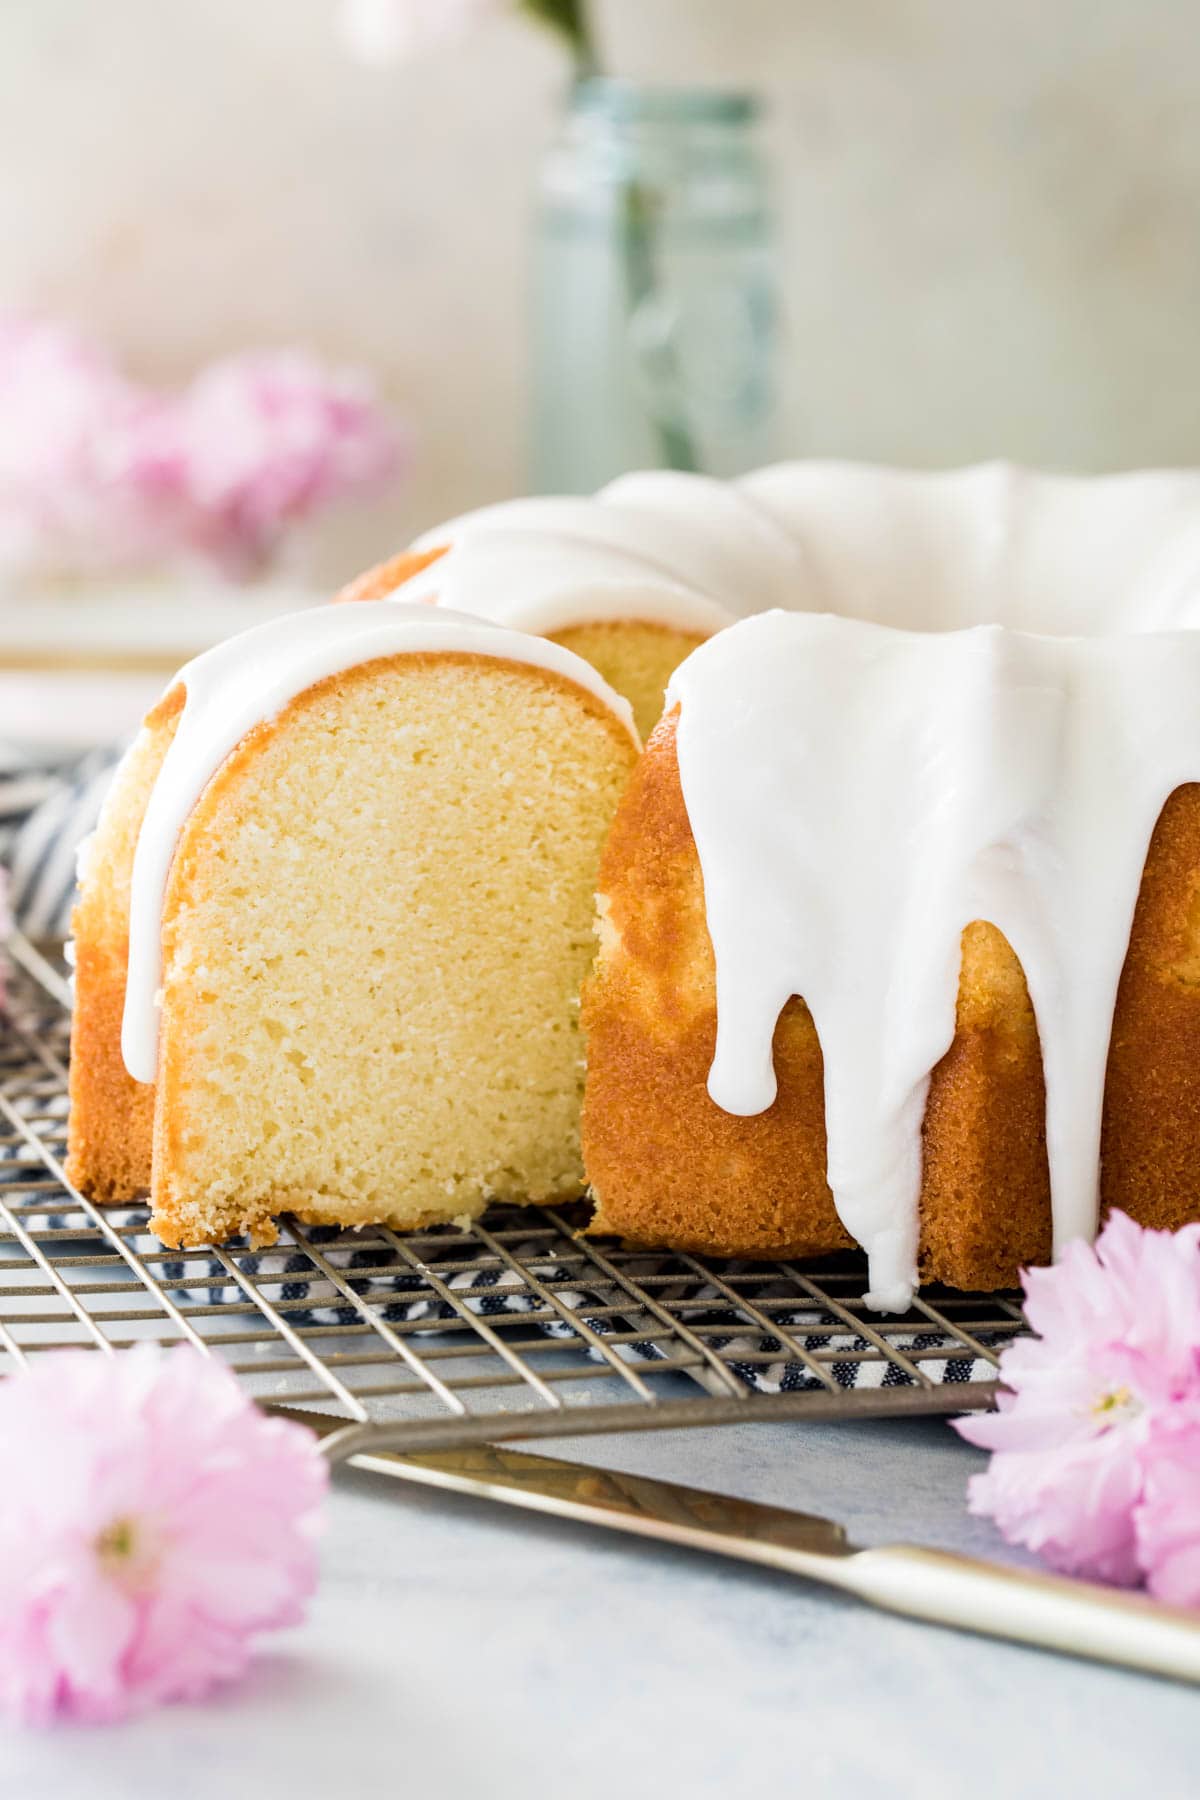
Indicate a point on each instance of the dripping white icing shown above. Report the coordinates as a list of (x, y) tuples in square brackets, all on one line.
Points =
[(858, 795), (248, 679)]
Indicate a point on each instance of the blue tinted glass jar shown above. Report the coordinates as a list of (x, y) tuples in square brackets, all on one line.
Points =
[(654, 289)]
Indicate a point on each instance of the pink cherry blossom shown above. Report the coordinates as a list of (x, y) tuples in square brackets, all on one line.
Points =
[(1167, 1517), (1116, 1352), (265, 439), (99, 473), (71, 431), (151, 1521), (381, 31)]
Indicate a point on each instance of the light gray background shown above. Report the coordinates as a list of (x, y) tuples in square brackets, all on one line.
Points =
[(991, 213)]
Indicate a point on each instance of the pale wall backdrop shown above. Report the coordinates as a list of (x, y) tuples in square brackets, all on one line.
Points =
[(990, 213)]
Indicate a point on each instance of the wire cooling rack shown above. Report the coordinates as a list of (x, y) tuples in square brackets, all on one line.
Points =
[(518, 1328)]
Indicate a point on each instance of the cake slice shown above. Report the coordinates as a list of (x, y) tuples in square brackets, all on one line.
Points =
[(358, 917)]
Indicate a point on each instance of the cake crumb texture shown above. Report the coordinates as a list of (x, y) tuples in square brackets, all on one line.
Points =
[(376, 926), (636, 657)]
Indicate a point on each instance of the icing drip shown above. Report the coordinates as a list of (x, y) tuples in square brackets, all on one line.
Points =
[(250, 678), (858, 795)]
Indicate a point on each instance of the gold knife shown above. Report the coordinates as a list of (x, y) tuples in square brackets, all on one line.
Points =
[(1049, 1611)]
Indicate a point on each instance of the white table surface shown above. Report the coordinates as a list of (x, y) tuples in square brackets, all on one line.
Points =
[(460, 1649)]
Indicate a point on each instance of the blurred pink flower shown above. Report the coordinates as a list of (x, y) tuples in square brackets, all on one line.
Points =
[(381, 31), (265, 439), (1168, 1514), (70, 429), (1117, 1352), (98, 473), (151, 1520)]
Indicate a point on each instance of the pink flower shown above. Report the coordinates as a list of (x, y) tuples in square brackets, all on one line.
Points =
[(265, 439), (1117, 1353), (70, 427), (99, 473), (1167, 1517), (151, 1520), (381, 31)]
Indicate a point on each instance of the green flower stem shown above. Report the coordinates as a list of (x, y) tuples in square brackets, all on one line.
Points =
[(570, 19), (638, 227)]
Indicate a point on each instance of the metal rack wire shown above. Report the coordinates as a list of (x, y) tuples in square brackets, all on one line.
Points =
[(520, 1327)]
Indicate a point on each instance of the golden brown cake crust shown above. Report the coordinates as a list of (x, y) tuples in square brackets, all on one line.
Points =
[(668, 1167), (386, 577), (1151, 1145), (111, 1124), (985, 1179)]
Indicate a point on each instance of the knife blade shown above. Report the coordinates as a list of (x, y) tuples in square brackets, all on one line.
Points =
[(935, 1586)]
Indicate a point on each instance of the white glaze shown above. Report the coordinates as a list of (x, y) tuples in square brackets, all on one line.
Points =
[(250, 678), (679, 550), (858, 795), (992, 545), (927, 552)]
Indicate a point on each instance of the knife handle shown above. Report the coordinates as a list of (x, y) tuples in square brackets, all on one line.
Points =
[(1051, 1611)]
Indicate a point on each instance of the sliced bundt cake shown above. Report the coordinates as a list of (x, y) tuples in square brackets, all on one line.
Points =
[(899, 939)]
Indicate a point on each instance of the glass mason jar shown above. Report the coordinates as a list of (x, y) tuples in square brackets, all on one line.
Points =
[(654, 289)]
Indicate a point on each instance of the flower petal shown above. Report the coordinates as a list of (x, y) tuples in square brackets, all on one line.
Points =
[(152, 1521)]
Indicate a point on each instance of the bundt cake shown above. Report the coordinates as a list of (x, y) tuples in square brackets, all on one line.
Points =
[(332, 928), (899, 916)]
